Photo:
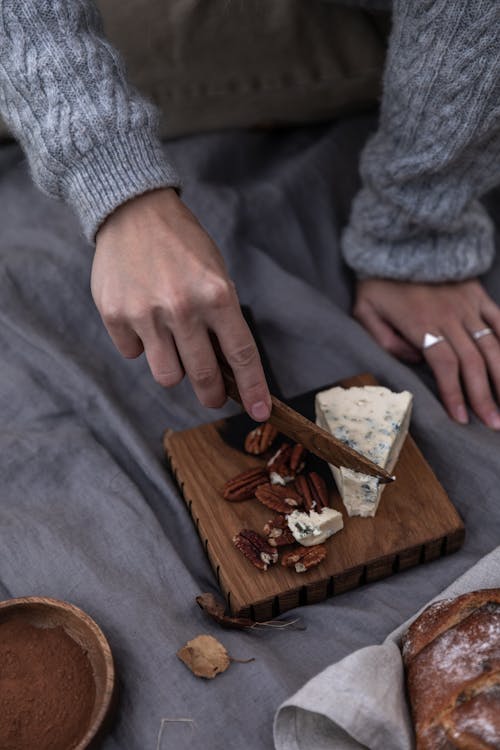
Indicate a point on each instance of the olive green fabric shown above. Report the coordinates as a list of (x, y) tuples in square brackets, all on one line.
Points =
[(241, 63)]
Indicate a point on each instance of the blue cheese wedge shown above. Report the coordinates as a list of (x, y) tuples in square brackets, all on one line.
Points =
[(314, 528), (373, 421)]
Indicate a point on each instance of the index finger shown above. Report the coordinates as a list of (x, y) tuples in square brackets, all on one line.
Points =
[(240, 350)]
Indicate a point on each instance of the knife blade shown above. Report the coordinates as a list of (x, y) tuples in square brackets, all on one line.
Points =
[(317, 440)]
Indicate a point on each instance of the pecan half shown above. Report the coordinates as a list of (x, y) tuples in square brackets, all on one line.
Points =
[(312, 488), (278, 498), (304, 558), (255, 548), (278, 533), (297, 458), (286, 463), (260, 439), (243, 486)]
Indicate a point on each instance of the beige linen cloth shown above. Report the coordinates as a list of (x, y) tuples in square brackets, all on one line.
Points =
[(360, 701), (246, 63)]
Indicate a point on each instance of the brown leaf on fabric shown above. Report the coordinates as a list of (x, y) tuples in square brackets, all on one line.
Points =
[(205, 656), (216, 610)]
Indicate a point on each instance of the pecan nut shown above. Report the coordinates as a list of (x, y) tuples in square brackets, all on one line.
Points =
[(255, 548), (278, 498), (278, 532), (304, 558), (243, 486), (312, 488), (286, 463), (260, 439), (297, 458)]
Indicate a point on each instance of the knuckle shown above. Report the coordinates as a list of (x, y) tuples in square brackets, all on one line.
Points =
[(420, 323), (203, 378), (448, 316), (113, 315), (139, 315), (180, 309), (219, 293), (168, 378), (243, 356), (213, 400), (448, 362), (130, 351), (473, 360)]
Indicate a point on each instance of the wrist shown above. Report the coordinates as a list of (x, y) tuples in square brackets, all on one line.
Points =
[(111, 174)]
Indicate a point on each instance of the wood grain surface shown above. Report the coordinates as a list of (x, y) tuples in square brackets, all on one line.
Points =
[(415, 522)]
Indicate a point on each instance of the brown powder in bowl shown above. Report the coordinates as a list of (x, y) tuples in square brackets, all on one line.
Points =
[(47, 689)]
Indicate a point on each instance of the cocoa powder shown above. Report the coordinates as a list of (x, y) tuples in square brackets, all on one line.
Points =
[(47, 689)]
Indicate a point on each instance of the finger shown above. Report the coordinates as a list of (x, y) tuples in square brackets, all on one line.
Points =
[(124, 338), (199, 360), (385, 335), (491, 314), (444, 363), (162, 357), (240, 350), (474, 376), (489, 346)]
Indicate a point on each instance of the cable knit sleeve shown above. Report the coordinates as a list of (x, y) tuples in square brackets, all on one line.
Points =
[(437, 148), (90, 138)]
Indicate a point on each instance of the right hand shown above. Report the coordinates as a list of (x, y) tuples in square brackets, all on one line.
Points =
[(161, 286)]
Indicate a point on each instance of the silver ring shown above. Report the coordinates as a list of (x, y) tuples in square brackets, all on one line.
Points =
[(479, 334), (431, 340)]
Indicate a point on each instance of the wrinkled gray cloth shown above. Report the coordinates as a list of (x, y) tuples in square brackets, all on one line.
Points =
[(360, 702), (88, 512)]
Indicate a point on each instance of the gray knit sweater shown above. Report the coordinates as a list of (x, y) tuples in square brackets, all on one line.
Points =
[(90, 138), (437, 148), (92, 141)]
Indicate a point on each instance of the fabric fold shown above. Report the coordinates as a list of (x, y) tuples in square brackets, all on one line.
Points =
[(360, 701)]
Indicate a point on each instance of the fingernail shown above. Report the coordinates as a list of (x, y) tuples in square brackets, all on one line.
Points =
[(461, 415), (494, 420), (260, 411)]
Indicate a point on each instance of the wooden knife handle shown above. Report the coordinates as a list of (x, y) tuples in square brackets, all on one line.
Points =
[(302, 430)]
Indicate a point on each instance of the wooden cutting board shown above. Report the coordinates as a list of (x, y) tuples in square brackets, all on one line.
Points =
[(415, 522)]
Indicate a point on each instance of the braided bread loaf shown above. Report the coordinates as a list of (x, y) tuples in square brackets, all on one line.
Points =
[(452, 659)]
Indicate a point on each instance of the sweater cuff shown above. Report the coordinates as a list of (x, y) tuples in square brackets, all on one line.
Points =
[(390, 246), (112, 173)]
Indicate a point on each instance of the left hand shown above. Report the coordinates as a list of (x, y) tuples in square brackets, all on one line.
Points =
[(398, 314)]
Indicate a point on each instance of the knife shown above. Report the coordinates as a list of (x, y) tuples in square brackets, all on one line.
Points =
[(310, 435)]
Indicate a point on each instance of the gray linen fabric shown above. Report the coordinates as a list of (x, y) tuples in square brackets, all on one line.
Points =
[(88, 512), (92, 139), (360, 702)]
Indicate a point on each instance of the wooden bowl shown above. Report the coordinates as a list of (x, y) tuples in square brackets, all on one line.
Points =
[(50, 613)]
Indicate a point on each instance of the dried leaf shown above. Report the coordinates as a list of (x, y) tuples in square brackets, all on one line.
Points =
[(205, 656), (216, 610)]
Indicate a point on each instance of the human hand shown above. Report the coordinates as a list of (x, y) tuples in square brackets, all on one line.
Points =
[(398, 314), (161, 286)]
